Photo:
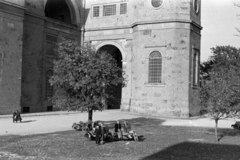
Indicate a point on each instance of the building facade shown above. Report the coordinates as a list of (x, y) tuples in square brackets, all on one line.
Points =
[(156, 42)]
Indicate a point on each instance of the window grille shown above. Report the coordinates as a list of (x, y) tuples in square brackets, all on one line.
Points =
[(123, 8), (109, 10), (96, 11), (49, 88), (155, 67)]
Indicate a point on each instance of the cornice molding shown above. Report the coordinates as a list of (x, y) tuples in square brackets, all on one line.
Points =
[(19, 15), (144, 23), (12, 4), (35, 15)]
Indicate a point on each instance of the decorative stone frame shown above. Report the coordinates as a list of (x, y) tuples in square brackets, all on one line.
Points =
[(123, 52), (92, 11), (74, 11), (196, 6), (159, 7), (162, 50), (154, 67), (195, 67)]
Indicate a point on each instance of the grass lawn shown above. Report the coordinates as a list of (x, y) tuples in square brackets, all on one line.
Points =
[(157, 142)]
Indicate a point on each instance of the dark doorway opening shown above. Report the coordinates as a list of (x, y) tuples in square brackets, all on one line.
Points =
[(26, 109), (58, 9), (115, 102), (49, 108)]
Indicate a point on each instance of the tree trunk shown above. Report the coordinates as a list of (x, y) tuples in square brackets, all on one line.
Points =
[(90, 114), (216, 133)]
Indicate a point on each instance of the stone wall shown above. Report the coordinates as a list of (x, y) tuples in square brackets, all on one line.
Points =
[(145, 29), (194, 89), (173, 29), (32, 67), (138, 11), (36, 60), (58, 30), (23, 54), (195, 44), (35, 7), (170, 98), (11, 31), (16, 3)]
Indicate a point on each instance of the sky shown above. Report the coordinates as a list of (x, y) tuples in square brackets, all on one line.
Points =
[(219, 21)]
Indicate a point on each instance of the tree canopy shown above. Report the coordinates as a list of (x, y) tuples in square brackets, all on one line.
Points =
[(222, 73), (221, 93), (223, 56), (83, 78)]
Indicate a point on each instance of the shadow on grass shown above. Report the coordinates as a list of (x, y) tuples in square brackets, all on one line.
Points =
[(141, 138), (135, 122), (197, 151), (224, 132)]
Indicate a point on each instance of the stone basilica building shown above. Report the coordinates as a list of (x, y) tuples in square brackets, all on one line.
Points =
[(156, 42)]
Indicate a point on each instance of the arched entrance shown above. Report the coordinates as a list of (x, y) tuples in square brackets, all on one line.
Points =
[(59, 10), (115, 102)]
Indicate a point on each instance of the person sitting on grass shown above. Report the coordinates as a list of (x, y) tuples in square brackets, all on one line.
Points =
[(91, 130), (131, 134), (17, 116)]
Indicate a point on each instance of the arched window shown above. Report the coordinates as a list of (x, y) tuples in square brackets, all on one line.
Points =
[(59, 10), (49, 88), (155, 67)]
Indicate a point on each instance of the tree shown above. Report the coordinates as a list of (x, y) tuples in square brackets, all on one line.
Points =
[(205, 68), (83, 78), (221, 93), (231, 54)]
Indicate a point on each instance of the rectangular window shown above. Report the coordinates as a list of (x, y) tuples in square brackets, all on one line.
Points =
[(96, 11), (195, 67), (49, 87), (109, 10), (51, 44), (51, 38), (49, 60), (123, 8)]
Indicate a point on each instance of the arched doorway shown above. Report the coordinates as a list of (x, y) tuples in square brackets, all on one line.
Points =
[(115, 102), (59, 10)]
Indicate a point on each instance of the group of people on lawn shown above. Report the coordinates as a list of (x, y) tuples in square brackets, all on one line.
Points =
[(98, 132)]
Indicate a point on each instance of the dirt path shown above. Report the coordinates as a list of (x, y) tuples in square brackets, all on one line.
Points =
[(54, 123), (62, 121)]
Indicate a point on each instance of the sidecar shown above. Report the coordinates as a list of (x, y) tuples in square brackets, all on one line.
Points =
[(79, 126), (236, 125)]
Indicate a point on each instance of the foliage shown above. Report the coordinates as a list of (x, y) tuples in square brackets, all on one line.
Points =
[(205, 68), (222, 56), (221, 93), (83, 78)]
